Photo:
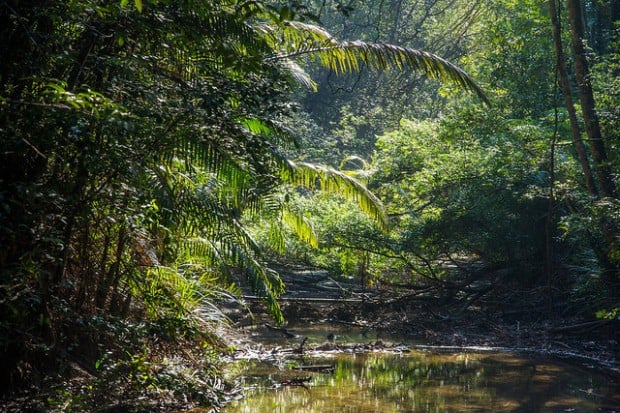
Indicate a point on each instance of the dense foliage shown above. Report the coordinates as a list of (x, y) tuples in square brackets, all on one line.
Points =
[(523, 188), (155, 159), (137, 138)]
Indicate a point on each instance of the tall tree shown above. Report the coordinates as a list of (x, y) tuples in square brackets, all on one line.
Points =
[(580, 148), (603, 238), (582, 72)]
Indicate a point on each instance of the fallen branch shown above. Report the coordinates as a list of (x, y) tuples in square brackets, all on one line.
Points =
[(581, 327), (280, 330)]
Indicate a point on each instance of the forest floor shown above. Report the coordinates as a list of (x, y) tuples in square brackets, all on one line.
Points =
[(388, 316)]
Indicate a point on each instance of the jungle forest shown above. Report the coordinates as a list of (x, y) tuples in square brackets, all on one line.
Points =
[(178, 176)]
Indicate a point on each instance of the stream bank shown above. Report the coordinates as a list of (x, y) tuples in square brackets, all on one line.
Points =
[(387, 315), (328, 359)]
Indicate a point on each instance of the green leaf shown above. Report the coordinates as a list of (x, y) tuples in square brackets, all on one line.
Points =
[(139, 5)]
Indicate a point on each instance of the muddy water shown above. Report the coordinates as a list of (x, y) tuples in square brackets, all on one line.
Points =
[(425, 381)]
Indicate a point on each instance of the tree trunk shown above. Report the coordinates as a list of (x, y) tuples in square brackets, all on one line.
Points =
[(580, 148), (601, 184), (593, 130)]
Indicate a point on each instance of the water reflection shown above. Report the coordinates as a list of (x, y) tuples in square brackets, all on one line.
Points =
[(431, 382)]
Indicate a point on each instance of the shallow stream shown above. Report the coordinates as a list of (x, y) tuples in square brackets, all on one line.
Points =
[(423, 380)]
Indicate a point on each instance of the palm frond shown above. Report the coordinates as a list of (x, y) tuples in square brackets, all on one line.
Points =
[(298, 74), (350, 56), (297, 39), (294, 35), (245, 253), (265, 282), (330, 180), (238, 251), (275, 237), (270, 130), (166, 289), (301, 225), (233, 31)]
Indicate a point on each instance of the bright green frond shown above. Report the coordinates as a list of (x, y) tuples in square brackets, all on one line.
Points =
[(330, 180), (293, 35), (237, 249), (271, 129), (350, 56), (302, 227)]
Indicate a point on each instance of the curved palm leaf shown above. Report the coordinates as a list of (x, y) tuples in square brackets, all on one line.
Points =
[(334, 181), (301, 225), (299, 75), (296, 39)]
